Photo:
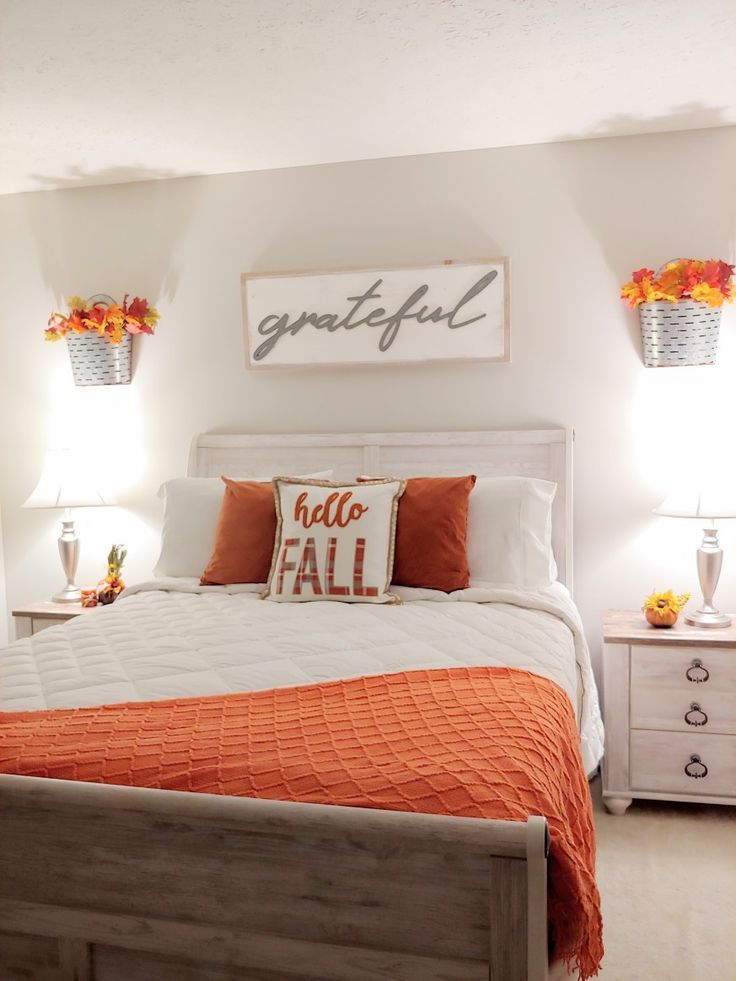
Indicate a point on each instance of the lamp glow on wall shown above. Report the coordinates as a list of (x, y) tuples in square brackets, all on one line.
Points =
[(707, 503), (67, 481)]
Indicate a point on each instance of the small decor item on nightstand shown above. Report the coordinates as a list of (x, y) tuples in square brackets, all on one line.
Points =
[(99, 334), (680, 310), (709, 500), (112, 584), (67, 481), (662, 609)]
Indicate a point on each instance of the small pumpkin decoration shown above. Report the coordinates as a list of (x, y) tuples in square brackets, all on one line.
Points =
[(112, 584), (662, 609)]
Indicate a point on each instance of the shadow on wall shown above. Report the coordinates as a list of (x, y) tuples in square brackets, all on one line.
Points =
[(120, 235), (364, 208), (645, 200), (117, 238), (630, 218), (79, 177), (688, 116), (323, 216)]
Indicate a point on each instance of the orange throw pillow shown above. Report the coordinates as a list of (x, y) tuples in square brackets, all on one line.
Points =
[(246, 529), (431, 533)]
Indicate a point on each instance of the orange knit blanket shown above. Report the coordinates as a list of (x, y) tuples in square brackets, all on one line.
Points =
[(477, 742)]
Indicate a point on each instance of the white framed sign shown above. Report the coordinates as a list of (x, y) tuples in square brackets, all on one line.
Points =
[(451, 311)]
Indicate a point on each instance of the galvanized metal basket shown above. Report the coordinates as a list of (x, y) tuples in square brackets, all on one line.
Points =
[(97, 361), (682, 333)]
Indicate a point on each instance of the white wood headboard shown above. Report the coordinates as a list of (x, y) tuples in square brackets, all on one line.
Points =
[(545, 453)]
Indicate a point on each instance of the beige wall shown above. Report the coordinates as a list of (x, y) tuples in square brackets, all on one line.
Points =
[(575, 218)]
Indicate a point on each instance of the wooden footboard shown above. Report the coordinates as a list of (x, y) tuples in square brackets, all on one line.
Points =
[(102, 883)]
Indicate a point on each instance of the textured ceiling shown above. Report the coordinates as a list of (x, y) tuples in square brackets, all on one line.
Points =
[(101, 91)]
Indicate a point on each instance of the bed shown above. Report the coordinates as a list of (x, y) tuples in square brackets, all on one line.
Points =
[(106, 882)]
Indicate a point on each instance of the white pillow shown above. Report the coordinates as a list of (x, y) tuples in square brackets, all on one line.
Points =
[(510, 531), (191, 508), (334, 541)]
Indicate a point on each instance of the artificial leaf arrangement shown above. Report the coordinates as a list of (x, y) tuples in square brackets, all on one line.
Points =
[(708, 281), (112, 584), (662, 609), (110, 321)]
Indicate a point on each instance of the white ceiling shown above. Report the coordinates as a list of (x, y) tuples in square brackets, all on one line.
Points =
[(102, 91)]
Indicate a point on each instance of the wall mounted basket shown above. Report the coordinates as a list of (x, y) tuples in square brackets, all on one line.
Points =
[(97, 361), (677, 334)]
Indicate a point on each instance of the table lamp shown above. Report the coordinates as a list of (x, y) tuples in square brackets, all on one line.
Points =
[(708, 505), (66, 482)]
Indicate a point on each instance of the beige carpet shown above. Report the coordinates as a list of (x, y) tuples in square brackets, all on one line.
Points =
[(667, 876)]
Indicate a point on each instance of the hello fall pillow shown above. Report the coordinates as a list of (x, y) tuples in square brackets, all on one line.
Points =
[(333, 541)]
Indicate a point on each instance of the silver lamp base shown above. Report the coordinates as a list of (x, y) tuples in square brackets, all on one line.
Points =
[(710, 559), (708, 618), (69, 594), (69, 553)]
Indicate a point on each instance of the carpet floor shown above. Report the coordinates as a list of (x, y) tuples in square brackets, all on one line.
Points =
[(667, 877)]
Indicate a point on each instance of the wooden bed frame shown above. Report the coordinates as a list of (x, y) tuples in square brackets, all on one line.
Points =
[(105, 883)]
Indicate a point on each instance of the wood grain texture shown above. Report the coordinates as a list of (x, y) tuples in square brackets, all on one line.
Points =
[(35, 617), (654, 706), (630, 627), (658, 761), (616, 672), (226, 947), (53, 611), (648, 697), (542, 453), (504, 356), (28, 958), (666, 666), (23, 627), (75, 959), (537, 849), (508, 918), (268, 886)]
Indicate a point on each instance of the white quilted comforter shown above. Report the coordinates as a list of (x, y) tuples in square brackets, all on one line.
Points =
[(172, 638)]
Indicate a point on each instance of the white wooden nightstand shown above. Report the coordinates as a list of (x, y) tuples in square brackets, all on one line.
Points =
[(34, 617), (669, 711)]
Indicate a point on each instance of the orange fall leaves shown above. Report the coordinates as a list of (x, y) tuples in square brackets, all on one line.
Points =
[(111, 321), (708, 281)]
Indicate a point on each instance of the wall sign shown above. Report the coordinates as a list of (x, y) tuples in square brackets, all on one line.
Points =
[(454, 311)]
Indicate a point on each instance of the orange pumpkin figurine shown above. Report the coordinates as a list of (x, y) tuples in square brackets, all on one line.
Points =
[(662, 609), (112, 584)]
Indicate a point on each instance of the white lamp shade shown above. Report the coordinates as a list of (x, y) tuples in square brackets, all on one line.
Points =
[(703, 503), (66, 481)]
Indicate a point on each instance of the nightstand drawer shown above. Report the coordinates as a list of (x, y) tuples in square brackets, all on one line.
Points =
[(691, 670), (34, 617), (683, 710), (658, 763)]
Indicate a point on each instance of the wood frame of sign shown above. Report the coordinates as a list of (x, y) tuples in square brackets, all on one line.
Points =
[(447, 311)]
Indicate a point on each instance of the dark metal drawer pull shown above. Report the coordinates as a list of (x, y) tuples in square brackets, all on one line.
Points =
[(695, 710), (695, 768), (692, 672)]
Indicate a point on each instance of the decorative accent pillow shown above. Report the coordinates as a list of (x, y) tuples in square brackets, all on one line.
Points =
[(191, 511), (246, 529), (333, 541), (510, 531), (432, 532), (245, 533)]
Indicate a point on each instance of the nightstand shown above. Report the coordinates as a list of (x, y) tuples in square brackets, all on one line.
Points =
[(34, 617), (669, 711)]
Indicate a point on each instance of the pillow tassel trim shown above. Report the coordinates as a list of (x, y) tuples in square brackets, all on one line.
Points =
[(390, 598)]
